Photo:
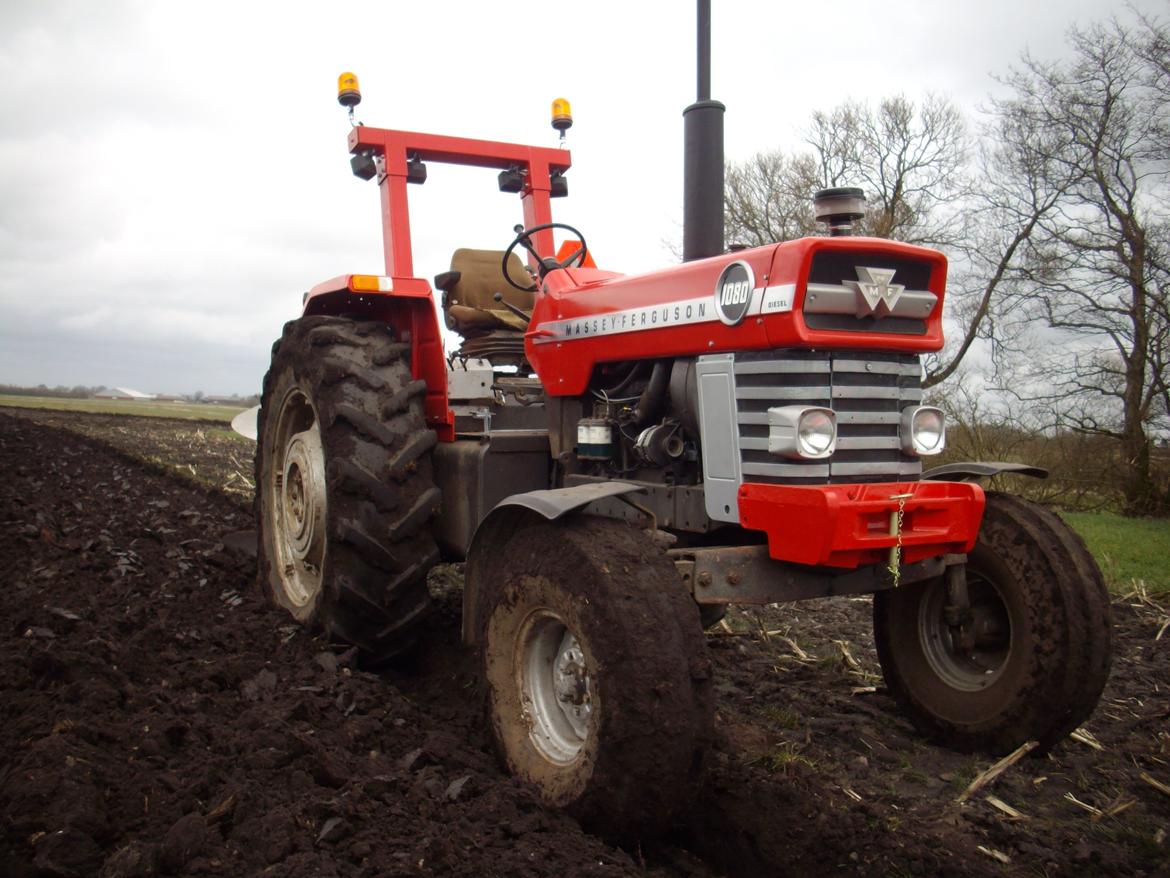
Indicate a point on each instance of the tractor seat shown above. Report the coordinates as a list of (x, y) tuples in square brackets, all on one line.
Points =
[(469, 290)]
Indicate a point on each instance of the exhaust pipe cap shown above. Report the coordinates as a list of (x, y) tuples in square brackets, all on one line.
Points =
[(839, 208)]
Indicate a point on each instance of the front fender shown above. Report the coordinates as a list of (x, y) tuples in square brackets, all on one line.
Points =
[(977, 471), (510, 515)]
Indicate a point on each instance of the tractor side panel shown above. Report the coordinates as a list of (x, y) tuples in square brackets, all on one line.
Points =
[(474, 475)]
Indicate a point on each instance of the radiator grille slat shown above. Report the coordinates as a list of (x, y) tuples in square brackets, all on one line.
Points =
[(867, 392), (782, 393)]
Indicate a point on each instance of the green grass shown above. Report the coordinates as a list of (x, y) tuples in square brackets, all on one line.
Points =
[(1127, 549), (182, 410), (780, 759)]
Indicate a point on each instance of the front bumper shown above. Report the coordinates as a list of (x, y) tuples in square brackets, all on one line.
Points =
[(849, 525)]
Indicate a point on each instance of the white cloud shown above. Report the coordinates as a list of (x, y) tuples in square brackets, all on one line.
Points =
[(173, 175)]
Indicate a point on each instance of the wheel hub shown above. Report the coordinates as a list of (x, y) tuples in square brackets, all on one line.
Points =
[(571, 683), (972, 655), (555, 686), (298, 499)]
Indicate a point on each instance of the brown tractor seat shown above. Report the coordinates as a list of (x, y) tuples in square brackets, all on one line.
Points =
[(469, 291)]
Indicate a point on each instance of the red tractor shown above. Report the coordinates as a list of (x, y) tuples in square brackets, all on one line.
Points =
[(618, 457)]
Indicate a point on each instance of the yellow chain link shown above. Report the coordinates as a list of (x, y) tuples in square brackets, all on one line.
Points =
[(895, 565)]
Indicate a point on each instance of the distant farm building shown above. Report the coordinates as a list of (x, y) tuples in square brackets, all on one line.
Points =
[(122, 393)]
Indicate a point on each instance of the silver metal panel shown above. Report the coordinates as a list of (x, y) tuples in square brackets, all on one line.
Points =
[(470, 379), (866, 443), (880, 467), (787, 470), (869, 417), (908, 394), (818, 377), (834, 299), (770, 367), (717, 424), (752, 418), (876, 368), (810, 392)]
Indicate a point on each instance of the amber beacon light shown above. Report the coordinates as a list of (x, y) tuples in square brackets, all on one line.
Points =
[(562, 117), (349, 94)]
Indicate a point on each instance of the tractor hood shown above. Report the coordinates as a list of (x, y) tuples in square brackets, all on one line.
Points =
[(844, 292)]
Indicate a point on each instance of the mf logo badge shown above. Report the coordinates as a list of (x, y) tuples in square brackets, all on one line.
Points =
[(733, 292), (877, 294)]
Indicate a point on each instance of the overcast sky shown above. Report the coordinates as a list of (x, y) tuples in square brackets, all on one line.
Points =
[(173, 175)]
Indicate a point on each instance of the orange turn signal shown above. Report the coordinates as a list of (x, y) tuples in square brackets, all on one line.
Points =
[(370, 283)]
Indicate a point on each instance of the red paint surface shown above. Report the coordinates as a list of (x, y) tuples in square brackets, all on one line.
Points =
[(566, 366), (848, 525)]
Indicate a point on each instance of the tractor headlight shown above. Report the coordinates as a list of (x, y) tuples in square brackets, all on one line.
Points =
[(802, 432), (924, 430)]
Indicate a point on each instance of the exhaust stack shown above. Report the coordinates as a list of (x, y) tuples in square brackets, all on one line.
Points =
[(839, 209), (703, 157)]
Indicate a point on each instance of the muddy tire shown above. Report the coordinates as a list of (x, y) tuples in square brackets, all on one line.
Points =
[(1041, 656), (598, 679), (344, 489)]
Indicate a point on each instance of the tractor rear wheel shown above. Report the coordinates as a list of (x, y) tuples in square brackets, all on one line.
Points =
[(599, 683), (1038, 648), (344, 490)]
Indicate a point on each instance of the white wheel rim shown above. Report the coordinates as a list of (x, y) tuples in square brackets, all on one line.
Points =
[(297, 498), (555, 687)]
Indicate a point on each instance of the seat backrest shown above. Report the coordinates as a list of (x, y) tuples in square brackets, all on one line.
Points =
[(481, 277)]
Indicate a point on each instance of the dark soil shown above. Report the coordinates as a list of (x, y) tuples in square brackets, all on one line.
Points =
[(202, 453), (156, 717)]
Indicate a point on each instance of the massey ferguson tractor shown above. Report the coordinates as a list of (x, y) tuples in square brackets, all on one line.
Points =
[(618, 457)]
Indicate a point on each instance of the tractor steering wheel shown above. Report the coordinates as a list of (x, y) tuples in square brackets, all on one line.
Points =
[(548, 263)]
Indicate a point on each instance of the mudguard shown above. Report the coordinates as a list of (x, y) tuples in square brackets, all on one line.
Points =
[(976, 471), (508, 516)]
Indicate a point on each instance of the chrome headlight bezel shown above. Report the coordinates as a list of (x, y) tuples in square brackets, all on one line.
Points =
[(923, 430), (802, 432)]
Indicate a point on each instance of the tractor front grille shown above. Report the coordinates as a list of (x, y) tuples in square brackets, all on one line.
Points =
[(834, 301), (867, 391)]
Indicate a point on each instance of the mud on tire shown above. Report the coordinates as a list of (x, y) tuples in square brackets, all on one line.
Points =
[(1042, 656), (621, 744), (344, 488)]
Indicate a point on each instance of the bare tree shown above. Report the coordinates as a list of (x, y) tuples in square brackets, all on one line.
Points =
[(909, 158), (915, 163), (1094, 273), (768, 198), (1020, 183)]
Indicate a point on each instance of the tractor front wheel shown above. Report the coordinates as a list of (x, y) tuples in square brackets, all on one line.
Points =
[(344, 492), (599, 684), (1026, 655)]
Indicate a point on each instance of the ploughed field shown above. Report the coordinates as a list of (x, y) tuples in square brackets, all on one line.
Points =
[(157, 717)]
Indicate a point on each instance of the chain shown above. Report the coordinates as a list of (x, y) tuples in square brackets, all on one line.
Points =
[(896, 517)]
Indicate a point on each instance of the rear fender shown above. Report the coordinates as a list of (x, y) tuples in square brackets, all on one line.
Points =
[(408, 305), (511, 515)]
